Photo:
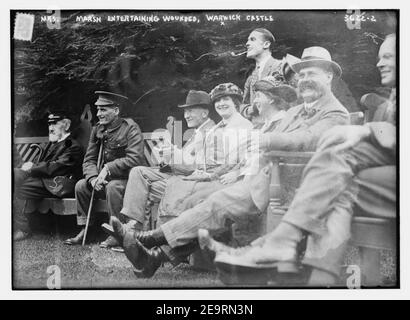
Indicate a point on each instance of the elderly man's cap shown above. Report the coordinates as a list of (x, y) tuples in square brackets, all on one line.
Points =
[(57, 115), (107, 99), (197, 99)]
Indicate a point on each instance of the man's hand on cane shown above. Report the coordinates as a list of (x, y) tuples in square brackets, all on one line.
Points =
[(99, 182)]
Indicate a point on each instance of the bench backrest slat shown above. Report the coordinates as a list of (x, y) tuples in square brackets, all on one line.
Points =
[(29, 154)]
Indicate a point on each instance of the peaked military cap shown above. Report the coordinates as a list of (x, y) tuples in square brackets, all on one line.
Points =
[(108, 99), (57, 115)]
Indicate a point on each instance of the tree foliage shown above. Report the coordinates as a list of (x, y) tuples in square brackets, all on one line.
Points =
[(155, 64)]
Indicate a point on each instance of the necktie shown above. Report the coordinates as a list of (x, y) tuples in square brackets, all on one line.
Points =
[(258, 72)]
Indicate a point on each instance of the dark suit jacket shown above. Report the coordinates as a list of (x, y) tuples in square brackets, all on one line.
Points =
[(297, 132), (60, 167), (63, 158)]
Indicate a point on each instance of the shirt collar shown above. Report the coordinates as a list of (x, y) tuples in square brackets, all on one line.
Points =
[(202, 125), (309, 106), (114, 125), (231, 121), (262, 63), (64, 137)]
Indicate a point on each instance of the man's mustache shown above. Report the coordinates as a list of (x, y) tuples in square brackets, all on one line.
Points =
[(308, 84)]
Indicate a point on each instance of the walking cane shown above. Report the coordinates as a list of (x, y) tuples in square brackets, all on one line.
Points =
[(90, 207)]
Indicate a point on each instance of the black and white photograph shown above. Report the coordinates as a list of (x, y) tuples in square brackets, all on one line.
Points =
[(204, 149)]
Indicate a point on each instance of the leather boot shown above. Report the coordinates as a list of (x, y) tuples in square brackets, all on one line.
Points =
[(131, 224), (78, 239), (119, 229), (146, 261), (151, 238)]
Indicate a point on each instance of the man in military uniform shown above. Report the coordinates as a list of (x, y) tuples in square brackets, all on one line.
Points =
[(116, 145), (55, 173)]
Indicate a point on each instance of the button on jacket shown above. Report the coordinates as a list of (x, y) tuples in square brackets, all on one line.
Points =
[(123, 149)]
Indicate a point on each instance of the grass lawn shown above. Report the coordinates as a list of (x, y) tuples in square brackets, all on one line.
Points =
[(91, 267)]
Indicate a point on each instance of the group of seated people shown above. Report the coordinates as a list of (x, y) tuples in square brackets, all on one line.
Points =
[(222, 174)]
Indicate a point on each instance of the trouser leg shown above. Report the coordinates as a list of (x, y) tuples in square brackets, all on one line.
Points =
[(323, 205), (230, 204), (142, 181), (201, 191), (29, 189), (377, 195), (114, 191), (19, 177), (83, 196), (326, 251), (327, 176)]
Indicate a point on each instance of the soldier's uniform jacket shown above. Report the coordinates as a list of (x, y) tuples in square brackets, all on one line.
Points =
[(123, 149)]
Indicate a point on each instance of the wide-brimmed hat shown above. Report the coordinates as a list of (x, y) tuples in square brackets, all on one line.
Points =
[(108, 99), (197, 99), (317, 57), (226, 89), (276, 86)]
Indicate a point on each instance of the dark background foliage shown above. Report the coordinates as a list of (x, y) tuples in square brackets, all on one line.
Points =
[(155, 64)]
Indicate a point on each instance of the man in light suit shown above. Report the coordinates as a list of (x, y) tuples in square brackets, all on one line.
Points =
[(300, 130), (353, 161)]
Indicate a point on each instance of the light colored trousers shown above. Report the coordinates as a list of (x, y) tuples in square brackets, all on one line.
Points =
[(144, 183)]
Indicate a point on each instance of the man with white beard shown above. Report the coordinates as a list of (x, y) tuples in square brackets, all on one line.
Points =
[(54, 175)]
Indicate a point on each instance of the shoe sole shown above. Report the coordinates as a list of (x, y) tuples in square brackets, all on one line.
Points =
[(108, 229), (240, 275)]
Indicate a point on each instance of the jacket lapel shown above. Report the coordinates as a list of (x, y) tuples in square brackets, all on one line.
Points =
[(56, 150), (270, 67)]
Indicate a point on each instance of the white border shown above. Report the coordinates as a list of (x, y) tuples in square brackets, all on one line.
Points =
[(5, 236)]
